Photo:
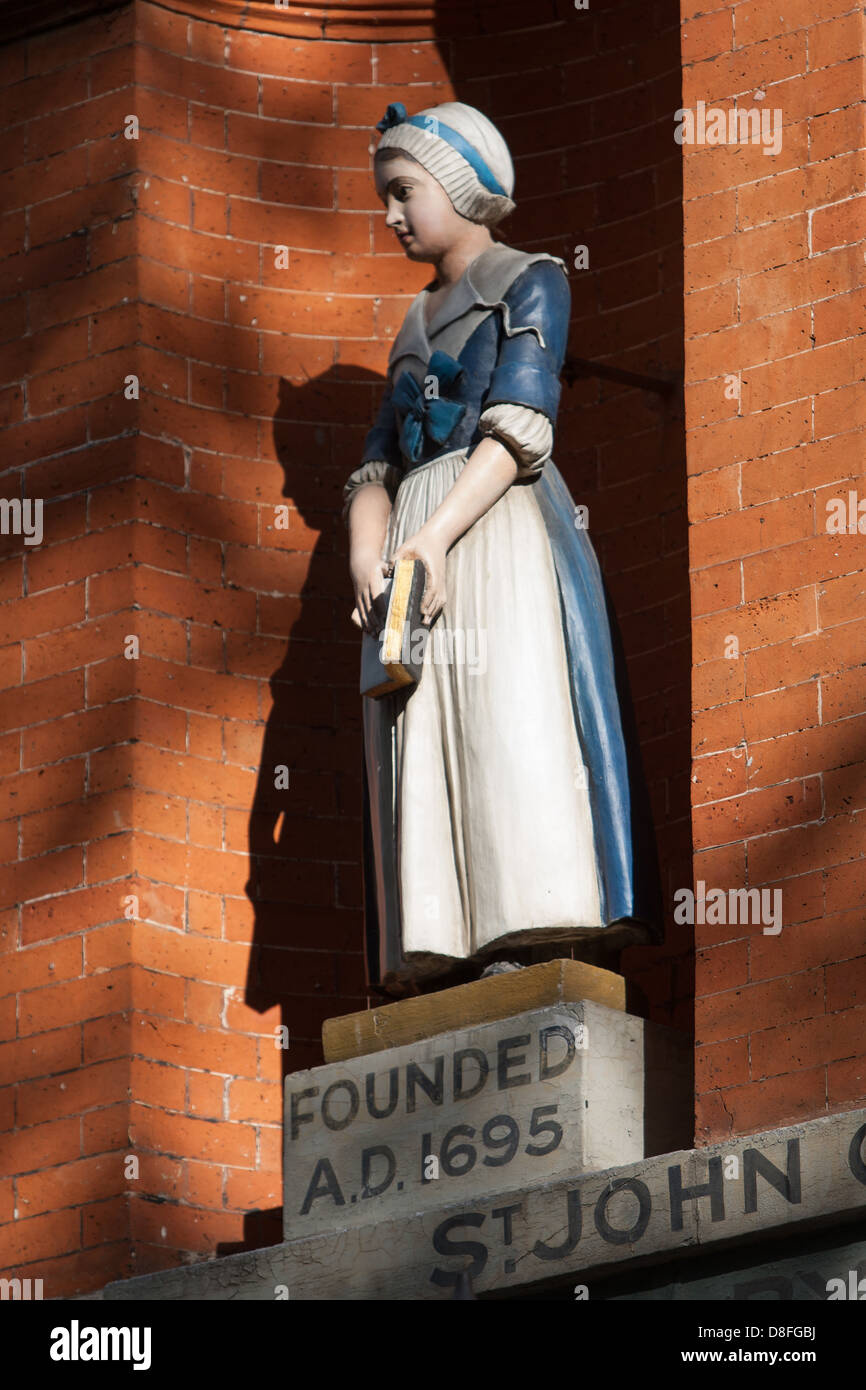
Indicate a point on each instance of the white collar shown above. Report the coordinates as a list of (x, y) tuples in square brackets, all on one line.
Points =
[(483, 283)]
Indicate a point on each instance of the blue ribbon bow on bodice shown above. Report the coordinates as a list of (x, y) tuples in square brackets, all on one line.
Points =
[(435, 418)]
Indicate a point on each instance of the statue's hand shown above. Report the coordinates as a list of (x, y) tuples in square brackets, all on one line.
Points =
[(431, 552), (369, 573)]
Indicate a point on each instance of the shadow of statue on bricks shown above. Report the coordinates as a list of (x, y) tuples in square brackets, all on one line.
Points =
[(305, 822), (305, 829)]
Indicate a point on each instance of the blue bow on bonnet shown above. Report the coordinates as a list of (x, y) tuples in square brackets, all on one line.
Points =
[(436, 418), (396, 114)]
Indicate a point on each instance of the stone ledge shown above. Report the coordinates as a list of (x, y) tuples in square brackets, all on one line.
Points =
[(801, 1178)]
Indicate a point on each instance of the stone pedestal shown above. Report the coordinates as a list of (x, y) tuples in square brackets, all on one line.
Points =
[(553, 1092)]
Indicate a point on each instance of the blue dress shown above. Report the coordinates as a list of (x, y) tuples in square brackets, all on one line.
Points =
[(504, 803)]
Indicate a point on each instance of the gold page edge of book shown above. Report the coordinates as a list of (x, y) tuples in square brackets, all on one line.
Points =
[(397, 613)]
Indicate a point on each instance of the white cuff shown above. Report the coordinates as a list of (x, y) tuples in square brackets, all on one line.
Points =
[(527, 432)]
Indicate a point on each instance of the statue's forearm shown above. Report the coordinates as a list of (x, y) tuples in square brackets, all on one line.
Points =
[(369, 515), (487, 474)]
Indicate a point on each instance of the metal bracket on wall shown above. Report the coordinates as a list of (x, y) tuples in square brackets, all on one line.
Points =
[(575, 367)]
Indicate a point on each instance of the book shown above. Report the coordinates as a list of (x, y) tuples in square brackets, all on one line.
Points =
[(394, 657)]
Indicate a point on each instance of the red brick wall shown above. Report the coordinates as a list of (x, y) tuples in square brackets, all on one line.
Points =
[(68, 329), (774, 272)]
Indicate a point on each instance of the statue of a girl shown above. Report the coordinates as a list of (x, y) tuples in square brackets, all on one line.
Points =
[(501, 803)]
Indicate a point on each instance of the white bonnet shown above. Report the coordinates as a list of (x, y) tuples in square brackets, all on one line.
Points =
[(463, 151)]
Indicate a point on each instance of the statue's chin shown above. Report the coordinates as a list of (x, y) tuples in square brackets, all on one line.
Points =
[(416, 252)]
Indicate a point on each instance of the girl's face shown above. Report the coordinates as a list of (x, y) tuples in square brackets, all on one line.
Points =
[(417, 208)]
